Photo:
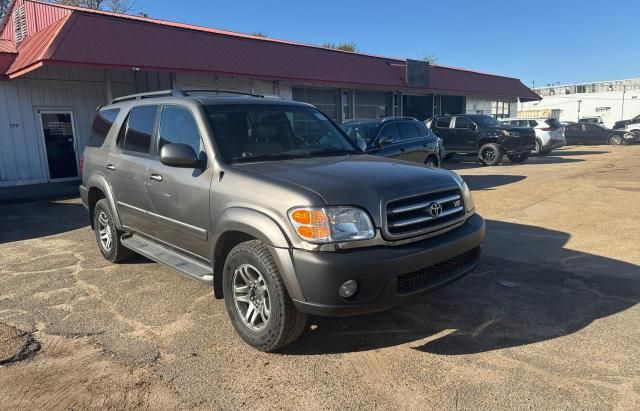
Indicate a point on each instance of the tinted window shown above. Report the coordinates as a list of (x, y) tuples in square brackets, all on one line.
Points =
[(178, 126), (274, 132), (463, 122), (533, 123), (443, 122), (408, 130), (101, 126), (140, 129), (553, 123), (366, 131), (390, 130), (424, 131)]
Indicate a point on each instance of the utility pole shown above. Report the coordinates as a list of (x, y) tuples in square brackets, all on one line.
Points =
[(579, 102), (624, 91)]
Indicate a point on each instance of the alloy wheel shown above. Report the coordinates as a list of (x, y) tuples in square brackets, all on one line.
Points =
[(488, 154), (251, 297), (104, 229)]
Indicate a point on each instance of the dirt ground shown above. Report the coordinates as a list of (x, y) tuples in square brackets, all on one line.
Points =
[(548, 320)]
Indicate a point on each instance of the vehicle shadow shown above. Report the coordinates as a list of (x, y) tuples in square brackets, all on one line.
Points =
[(467, 162), (487, 182), (38, 219), (504, 303), (571, 153)]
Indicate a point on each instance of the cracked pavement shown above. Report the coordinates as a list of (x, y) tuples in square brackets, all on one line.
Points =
[(548, 320)]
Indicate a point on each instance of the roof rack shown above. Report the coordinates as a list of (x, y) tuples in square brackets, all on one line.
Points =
[(176, 92), (398, 118)]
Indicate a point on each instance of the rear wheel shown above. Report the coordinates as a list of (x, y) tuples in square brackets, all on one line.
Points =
[(107, 235), (539, 150), (518, 158), (256, 298), (615, 140), (490, 154)]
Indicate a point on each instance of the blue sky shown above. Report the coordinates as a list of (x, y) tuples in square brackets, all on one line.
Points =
[(542, 41)]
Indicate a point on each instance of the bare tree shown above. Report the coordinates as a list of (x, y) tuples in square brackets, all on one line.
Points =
[(116, 6), (350, 46), (429, 57), (3, 7)]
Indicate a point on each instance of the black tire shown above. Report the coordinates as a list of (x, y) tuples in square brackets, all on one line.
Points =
[(107, 235), (285, 323), (518, 158), (432, 161), (490, 154), (538, 150), (616, 140)]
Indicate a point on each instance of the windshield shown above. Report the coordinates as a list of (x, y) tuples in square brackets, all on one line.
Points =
[(274, 132), (366, 131), (487, 121)]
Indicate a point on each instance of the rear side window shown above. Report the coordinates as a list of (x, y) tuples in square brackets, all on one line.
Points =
[(533, 123), (101, 126), (553, 123), (178, 126), (463, 122), (140, 125), (408, 131), (443, 122), (390, 130)]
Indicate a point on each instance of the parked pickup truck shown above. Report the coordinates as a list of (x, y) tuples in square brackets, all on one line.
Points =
[(485, 137), (269, 202)]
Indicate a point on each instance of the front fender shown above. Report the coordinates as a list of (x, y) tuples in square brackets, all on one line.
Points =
[(100, 182), (265, 229)]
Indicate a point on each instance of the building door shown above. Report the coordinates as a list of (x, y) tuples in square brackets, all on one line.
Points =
[(60, 144)]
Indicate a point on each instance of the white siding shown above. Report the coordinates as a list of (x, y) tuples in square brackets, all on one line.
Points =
[(22, 153), (477, 104), (243, 85), (593, 104)]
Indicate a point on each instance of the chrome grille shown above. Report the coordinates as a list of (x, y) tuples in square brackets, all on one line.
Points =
[(411, 216)]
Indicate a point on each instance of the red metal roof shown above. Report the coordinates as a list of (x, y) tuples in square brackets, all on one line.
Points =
[(101, 39), (6, 46)]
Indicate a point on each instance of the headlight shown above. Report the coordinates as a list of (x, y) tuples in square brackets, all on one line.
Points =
[(466, 193), (330, 224)]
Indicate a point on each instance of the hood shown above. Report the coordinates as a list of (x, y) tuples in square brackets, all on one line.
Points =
[(361, 180)]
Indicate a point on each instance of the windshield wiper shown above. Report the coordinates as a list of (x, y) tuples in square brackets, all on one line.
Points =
[(332, 152)]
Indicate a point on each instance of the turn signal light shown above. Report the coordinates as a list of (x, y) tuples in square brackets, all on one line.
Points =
[(311, 224)]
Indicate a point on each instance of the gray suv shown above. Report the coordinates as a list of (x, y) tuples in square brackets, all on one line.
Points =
[(274, 206)]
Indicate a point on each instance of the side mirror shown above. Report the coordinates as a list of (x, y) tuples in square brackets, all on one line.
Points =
[(386, 140), (179, 155)]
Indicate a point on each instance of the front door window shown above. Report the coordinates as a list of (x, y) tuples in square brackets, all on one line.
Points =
[(59, 141)]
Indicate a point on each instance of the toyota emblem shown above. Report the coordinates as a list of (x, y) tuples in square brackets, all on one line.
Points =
[(435, 209)]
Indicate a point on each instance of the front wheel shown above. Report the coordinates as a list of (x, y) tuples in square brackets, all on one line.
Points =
[(615, 140), (256, 298), (518, 158), (431, 161), (490, 154)]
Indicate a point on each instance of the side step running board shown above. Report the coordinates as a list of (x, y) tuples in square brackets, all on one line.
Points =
[(163, 255)]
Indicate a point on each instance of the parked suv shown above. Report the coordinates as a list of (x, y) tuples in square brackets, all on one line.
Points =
[(484, 136), (274, 206), (404, 138), (620, 125), (549, 132)]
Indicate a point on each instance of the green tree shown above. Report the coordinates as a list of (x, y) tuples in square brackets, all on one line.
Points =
[(350, 46), (259, 34)]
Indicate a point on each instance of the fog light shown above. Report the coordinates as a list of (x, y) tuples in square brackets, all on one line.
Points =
[(348, 288)]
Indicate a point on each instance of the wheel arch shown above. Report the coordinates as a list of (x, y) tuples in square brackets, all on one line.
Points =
[(98, 188), (237, 225)]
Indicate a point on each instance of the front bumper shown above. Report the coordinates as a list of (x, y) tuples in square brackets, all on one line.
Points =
[(386, 276), (631, 138)]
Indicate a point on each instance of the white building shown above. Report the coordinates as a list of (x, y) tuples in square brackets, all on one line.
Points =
[(611, 100)]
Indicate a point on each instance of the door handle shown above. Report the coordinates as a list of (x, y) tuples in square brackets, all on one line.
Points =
[(156, 177), (111, 167)]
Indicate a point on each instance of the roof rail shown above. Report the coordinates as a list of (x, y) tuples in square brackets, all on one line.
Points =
[(398, 118), (177, 92)]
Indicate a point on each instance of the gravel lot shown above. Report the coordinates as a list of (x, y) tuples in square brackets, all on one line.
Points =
[(549, 319)]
